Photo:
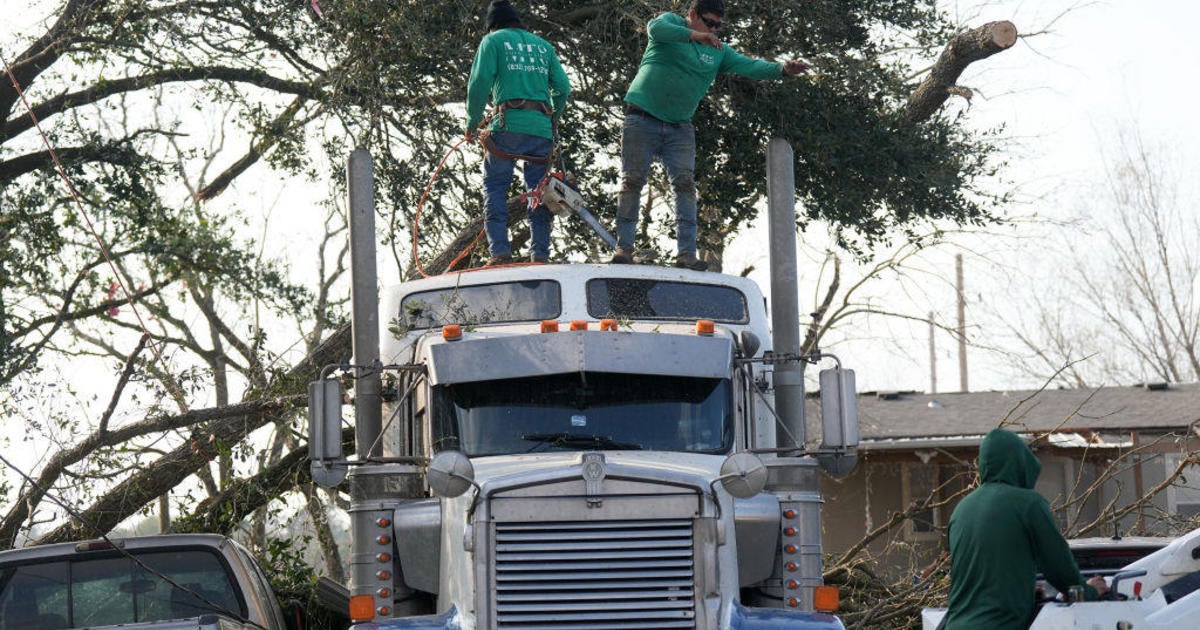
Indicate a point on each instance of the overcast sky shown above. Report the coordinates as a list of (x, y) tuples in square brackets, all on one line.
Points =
[(1081, 74)]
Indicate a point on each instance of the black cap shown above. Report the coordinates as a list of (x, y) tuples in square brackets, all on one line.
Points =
[(501, 14), (716, 7)]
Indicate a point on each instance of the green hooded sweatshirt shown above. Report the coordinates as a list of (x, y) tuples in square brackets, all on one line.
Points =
[(511, 64), (676, 72), (1001, 535)]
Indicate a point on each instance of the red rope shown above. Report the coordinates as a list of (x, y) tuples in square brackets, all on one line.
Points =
[(421, 203)]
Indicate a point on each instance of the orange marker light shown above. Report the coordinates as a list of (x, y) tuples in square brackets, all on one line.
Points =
[(793, 602), (789, 531), (384, 557), (384, 611), (705, 327), (383, 575), (451, 332), (579, 324), (384, 592), (362, 608), (789, 514), (384, 539), (791, 566), (549, 325), (789, 548), (383, 521), (793, 584), (608, 324), (825, 598)]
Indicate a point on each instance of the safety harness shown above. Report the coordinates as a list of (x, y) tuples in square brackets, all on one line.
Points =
[(489, 145)]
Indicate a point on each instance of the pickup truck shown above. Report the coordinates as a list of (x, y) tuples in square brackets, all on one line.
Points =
[(164, 582)]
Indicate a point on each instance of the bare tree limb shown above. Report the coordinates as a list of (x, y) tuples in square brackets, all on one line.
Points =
[(136, 491)]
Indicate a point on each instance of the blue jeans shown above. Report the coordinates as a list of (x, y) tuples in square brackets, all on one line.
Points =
[(497, 175), (643, 138)]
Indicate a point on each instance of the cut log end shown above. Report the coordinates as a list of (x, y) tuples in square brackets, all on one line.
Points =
[(1004, 34)]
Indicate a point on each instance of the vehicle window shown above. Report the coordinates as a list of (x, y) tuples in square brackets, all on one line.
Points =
[(532, 300), (588, 411), (1107, 561), (631, 298), (113, 589), (34, 597)]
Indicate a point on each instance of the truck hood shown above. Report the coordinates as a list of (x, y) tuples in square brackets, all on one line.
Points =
[(693, 469)]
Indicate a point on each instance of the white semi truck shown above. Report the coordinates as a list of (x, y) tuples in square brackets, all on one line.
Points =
[(584, 446)]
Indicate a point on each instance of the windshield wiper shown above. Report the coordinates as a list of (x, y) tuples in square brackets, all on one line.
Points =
[(579, 440)]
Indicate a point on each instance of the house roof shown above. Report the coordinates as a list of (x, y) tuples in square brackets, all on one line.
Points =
[(885, 416)]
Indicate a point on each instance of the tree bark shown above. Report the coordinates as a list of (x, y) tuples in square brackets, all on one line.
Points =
[(223, 513), (965, 49)]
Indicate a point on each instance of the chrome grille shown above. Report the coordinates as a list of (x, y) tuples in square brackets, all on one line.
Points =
[(598, 575)]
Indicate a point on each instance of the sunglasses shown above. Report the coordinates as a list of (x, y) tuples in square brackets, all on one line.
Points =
[(713, 24)]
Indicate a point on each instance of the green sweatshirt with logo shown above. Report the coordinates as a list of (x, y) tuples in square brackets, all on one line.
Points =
[(676, 72), (1001, 535), (513, 63)]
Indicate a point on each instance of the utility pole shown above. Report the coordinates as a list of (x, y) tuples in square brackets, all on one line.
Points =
[(962, 324), (932, 356)]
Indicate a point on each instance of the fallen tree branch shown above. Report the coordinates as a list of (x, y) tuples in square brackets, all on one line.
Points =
[(966, 48), (223, 512)]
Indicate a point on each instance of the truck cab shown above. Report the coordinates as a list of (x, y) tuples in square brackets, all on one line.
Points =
[(582, 446)]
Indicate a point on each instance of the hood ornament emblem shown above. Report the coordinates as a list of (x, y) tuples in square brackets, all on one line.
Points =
[(593, 470)]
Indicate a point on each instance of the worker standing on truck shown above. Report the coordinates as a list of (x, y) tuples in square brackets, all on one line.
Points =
[(1001, 535), (681, 61), (521, 74)]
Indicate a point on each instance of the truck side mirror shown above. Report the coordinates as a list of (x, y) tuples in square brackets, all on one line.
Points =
[(749, 343), (450, 474), (743, 475), (839, 420), (325, 432)]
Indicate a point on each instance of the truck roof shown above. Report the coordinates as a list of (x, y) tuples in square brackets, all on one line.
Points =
[(631, 293), (131, 543)]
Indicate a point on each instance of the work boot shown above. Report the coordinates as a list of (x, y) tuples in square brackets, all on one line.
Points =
[(539, 259), (622, 256), (688, 260), (496, 261)]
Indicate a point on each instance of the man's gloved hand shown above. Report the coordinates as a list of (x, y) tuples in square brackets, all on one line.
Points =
[(708, 39), (794, 66), (1099, 584), (471, 135)]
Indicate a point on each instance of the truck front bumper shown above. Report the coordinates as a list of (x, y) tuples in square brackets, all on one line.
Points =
[(449, 620), (743, 618)]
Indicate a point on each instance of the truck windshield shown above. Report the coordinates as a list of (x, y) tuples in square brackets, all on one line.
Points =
[(107, 589), (637, 298), (529, 300), (584, 411)]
